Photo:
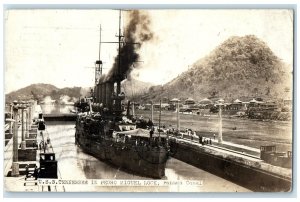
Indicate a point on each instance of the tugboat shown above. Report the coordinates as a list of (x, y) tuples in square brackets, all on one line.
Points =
[(106, 129)]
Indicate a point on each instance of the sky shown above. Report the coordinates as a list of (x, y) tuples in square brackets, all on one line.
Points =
[(60, 47)]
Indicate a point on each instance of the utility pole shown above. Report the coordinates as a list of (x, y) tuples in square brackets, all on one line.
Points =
[(220, 138), (178, 121), (159, 121), (27, 123), (11, 116), (23, 143), (15, 164), (29, 117), (133, 110), (152, 112)]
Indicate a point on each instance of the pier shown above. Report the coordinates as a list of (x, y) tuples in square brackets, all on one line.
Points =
[(23, 149), (236, 163)]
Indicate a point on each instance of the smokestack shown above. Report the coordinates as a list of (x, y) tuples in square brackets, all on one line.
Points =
[(104, 93), (109, 93), (96, 93), (133, 112), (99, 93), (128, 109)]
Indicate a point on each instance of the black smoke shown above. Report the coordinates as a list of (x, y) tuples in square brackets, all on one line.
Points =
[(136, 33)]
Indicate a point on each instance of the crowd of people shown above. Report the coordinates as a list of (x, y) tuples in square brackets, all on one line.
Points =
[(190, 134)]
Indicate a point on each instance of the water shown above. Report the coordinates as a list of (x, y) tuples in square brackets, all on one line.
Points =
[(75, 164), (57, 109)]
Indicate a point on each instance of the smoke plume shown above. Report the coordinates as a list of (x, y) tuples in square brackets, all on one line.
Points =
[(136, 33)]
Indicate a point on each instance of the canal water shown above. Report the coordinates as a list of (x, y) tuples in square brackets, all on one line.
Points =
[(76, 165), (57, 109)]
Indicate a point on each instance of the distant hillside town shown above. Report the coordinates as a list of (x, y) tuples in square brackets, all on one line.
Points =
[(255, 108)]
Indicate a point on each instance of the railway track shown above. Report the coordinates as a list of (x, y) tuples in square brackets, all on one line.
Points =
[(233, 151), (220, 148)]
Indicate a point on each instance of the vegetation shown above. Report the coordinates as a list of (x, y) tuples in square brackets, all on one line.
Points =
[(239, 67), (41, 91), (134, 88)]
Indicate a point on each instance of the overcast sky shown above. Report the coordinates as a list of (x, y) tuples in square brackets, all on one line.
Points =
[(60, 47)]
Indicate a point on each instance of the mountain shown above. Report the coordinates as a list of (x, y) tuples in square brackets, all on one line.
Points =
[(39, 90), (47, 92), (134, 88), (43, 91), (239, 67)]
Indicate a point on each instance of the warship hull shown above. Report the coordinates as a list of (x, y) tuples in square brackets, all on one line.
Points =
[(136, 159)]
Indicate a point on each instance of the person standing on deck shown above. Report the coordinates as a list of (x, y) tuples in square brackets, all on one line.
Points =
[(27, 171)]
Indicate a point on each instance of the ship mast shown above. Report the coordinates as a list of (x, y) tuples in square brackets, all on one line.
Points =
[(100, 51), (119, 77), (98, 68), (119, 60)]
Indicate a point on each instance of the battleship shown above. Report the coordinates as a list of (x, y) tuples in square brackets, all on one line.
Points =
[(107, 130)]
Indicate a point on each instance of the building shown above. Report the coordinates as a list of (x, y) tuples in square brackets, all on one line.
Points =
[(236, 105), (205, 103), (190, 102)]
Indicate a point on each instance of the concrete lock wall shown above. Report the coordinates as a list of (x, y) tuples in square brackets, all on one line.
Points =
[(8, 152), (246, 176), (30, 143), (277, 159), (282, 161), (27, 155)]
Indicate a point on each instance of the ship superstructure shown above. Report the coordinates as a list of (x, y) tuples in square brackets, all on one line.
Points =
[(106, 129)]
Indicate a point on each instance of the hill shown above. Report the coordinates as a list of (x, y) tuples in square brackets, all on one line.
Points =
[(39, 90), (48, 92), (43, 91), (239, 67), (134, 88)]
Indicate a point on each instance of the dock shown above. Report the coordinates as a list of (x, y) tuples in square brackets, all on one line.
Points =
[(22, 151), (237, 163)]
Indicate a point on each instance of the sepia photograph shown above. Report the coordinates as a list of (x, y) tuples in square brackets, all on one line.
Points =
[(148, 100)]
